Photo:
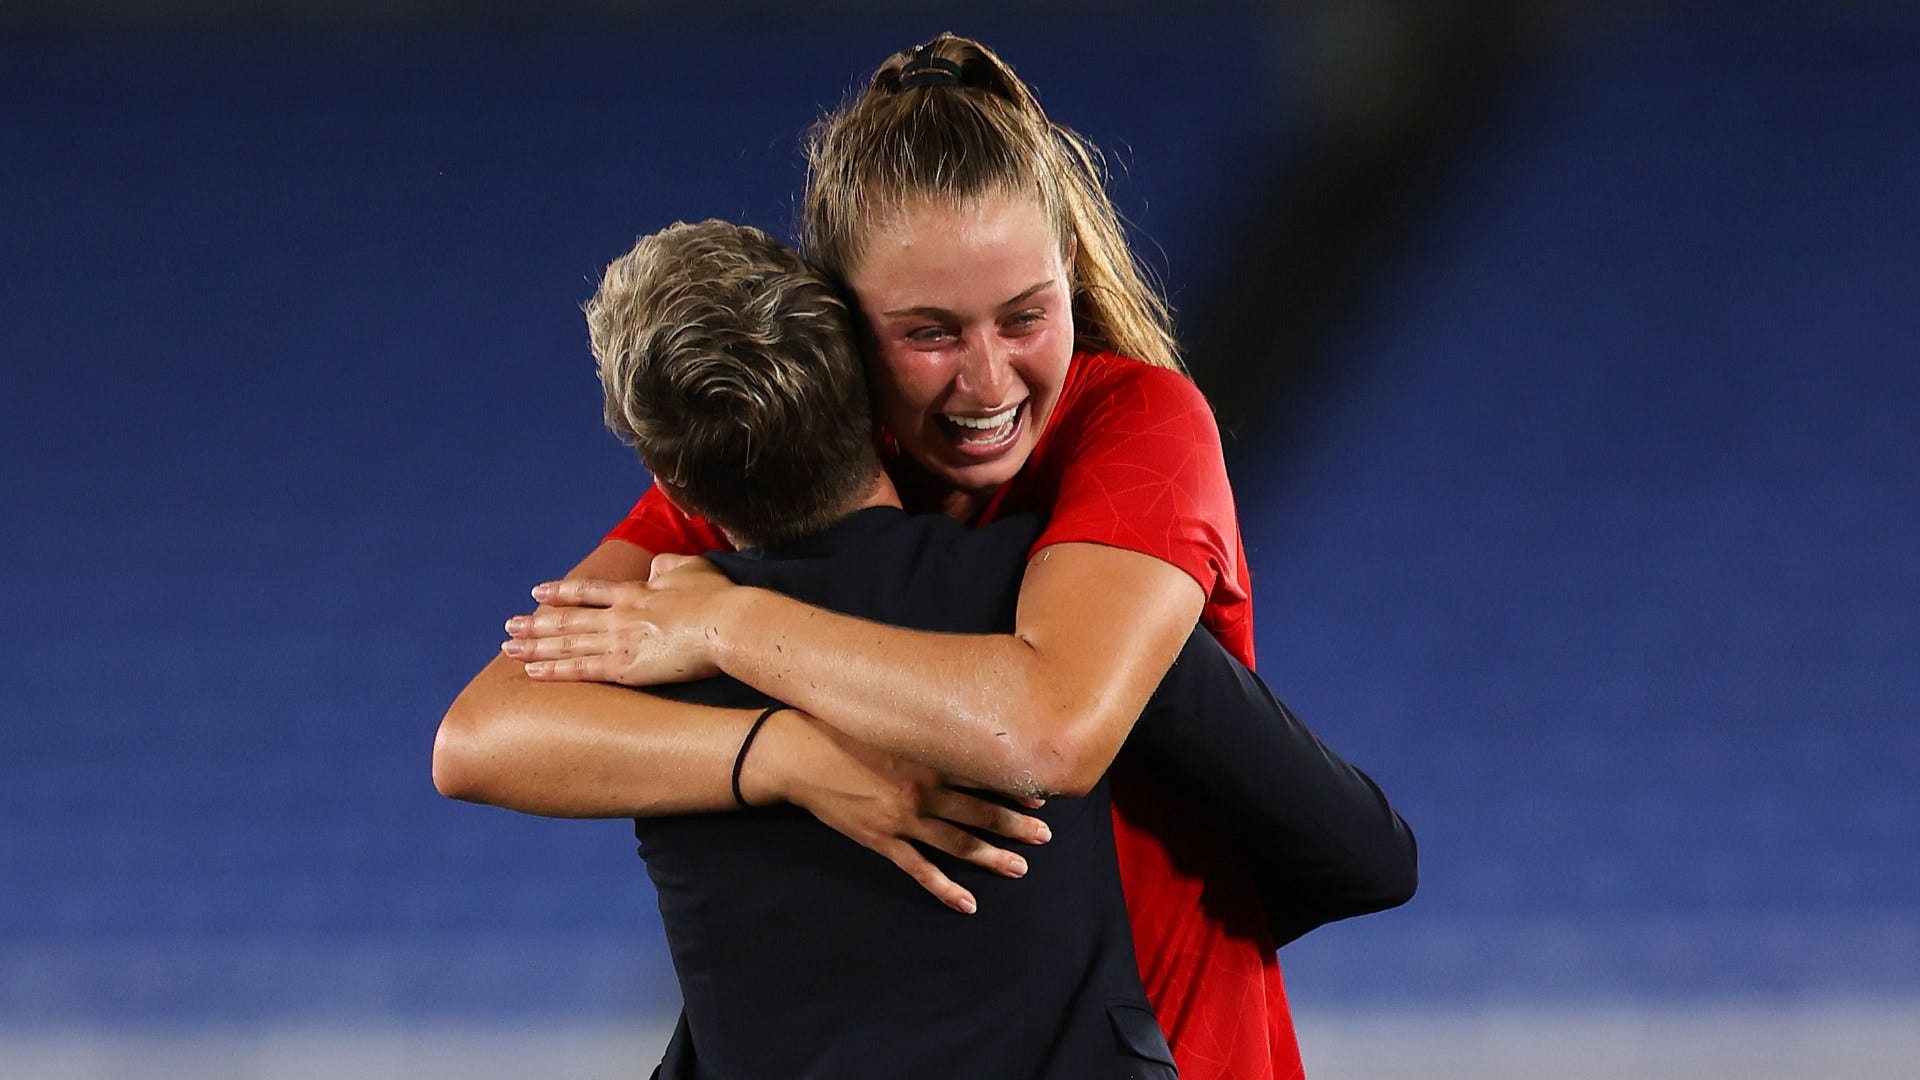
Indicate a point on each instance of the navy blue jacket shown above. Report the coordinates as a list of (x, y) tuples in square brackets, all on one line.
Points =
[(801, 954)]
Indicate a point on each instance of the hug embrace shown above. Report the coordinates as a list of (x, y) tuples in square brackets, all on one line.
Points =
[(973, 621)]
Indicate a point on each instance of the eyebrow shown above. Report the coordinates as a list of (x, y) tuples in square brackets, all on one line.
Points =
[(1025, 294)]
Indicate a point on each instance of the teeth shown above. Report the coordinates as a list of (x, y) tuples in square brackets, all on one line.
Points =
[(984, 423)]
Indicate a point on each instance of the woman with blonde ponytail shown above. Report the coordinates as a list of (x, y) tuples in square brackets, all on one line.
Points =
[(889, 147), (1019, 360)]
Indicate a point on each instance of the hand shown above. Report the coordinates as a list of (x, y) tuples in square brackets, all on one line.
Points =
[(630, 632), (884, 803)]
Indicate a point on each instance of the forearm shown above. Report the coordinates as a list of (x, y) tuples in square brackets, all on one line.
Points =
[(586, 749), (583, 749), (975, 706), (1320, 837), (1042, 710)]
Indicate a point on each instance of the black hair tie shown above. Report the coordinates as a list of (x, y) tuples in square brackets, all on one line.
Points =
[(740, 759), (927, 70)]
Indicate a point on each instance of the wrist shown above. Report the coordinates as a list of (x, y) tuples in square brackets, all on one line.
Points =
[(766, 775), (746, 746), (724, 639)]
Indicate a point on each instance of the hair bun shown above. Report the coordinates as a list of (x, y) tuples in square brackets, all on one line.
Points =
[(926, 69)]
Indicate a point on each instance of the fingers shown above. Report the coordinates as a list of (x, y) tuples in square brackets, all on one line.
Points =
[(967, 847), (564, 647), (964, 809), (565, 620), (919, 868), (577, 669), (581, 592)]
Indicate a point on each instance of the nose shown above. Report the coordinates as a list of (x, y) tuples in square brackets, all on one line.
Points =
[(986, 371)]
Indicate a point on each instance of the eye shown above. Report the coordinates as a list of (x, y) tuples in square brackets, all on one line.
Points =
[(928, 335), (1022, 322)]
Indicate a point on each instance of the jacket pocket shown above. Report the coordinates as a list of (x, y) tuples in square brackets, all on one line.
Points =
[(1139, 1034)]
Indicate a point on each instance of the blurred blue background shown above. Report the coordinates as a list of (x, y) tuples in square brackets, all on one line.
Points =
[(1568, 366)]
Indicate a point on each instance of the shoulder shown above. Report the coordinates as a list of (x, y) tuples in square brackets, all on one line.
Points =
[(1113, 373), (921, 571), (972, 559), (656, 525), (1109, 396), (1119, 384)]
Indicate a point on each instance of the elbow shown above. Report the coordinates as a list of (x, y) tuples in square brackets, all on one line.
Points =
[(1068, 760), (1393, 874), (1061, 777), (1396, 888), (1407, 881), (1359, 876), (452, 775), (460, 769), (1359, 883)]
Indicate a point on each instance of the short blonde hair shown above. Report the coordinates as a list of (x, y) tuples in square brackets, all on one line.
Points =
[(730, 364)]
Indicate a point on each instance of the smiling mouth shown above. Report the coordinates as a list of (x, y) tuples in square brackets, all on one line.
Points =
[(992, 432)]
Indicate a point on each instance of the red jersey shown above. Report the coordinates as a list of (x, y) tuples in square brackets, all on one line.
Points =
[(1131, 458)]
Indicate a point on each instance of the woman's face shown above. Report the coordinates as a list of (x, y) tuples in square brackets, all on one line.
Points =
[(970, 321)]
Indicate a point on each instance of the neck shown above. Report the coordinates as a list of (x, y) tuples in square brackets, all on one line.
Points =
[(931, 496), (884, 493), (965, 506)]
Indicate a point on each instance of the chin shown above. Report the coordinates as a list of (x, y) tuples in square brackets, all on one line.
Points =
[(982, 480), (975, 479)]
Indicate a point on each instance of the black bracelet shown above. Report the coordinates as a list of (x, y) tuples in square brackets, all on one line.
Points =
[(740, 758)]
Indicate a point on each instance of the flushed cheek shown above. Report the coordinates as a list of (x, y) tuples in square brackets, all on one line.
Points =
[(909, 387), (1043, 374)]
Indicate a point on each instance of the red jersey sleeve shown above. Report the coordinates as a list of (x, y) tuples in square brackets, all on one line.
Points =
[(1133, 460), (658, 526)]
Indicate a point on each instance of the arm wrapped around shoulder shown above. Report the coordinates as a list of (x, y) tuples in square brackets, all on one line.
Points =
[(1322, 841)]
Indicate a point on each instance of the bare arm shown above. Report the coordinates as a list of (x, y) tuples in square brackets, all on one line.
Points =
[(1041, 710), (585, 750), (588, 750)]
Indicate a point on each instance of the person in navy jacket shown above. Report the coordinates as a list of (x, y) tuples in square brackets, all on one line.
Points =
[(799, 954)]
